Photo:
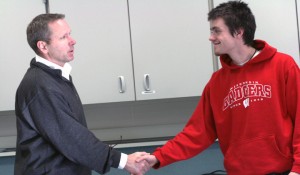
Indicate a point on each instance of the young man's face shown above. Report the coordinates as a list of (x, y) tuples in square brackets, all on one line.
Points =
[(220, 36)]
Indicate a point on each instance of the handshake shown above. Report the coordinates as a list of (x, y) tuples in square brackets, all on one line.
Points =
[(139, 163)]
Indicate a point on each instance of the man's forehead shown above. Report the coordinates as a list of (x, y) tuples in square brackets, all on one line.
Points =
[(217, 24), (59, 27)]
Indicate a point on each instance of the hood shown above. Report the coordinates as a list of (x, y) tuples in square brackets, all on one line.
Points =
[(266, 52)]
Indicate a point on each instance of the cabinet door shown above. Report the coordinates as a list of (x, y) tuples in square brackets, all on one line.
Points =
[(276, 24), (102, 51), (171, 52), (15, 53)]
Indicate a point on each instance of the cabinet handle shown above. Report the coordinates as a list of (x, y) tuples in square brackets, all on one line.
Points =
[(122, 85), (147, 82)]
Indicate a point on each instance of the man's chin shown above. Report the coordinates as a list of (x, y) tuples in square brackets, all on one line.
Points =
[(217, 54), (70, 58)]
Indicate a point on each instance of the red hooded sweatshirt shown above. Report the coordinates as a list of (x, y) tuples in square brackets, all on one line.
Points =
[(254, 112)]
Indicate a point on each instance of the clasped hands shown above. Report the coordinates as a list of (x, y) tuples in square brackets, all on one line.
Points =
[(139, 163)]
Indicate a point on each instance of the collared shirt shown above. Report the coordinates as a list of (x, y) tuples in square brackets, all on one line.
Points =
[(123, 161), (66, 70)]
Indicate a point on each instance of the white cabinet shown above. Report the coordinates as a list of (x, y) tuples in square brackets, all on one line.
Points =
[(164, 41), (170, 44), (15, 53), (276, 22), (103, 50)]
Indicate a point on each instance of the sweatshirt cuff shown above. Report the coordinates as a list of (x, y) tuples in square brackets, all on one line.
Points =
[(123, 161)]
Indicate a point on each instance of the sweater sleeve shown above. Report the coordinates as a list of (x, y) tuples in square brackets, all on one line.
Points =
[(59, 125), (198, 134), (293, 108)]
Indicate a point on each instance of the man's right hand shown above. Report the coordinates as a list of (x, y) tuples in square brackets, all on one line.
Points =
[(151, 159), (137, 167)]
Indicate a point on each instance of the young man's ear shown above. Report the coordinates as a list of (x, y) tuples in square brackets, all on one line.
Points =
[(239, 33), (42, 45)]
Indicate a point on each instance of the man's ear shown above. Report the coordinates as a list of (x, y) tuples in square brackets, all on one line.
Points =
[(42, 45), (239, 33)]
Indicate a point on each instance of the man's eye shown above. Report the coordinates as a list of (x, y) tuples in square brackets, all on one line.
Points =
[(215, 31), (66, 36)]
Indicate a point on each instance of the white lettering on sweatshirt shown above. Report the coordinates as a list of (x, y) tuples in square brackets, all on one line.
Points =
[(245, 92)]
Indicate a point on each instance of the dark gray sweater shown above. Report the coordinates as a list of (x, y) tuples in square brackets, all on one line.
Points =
[(52, 134)]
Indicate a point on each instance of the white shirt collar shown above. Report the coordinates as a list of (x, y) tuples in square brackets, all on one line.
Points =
[(65, 71)]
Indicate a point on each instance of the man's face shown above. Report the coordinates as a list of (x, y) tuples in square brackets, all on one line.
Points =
[(220, 36), (60, 50)]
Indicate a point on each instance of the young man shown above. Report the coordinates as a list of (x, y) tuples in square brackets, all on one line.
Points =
[(251, 105), (52, 134)]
